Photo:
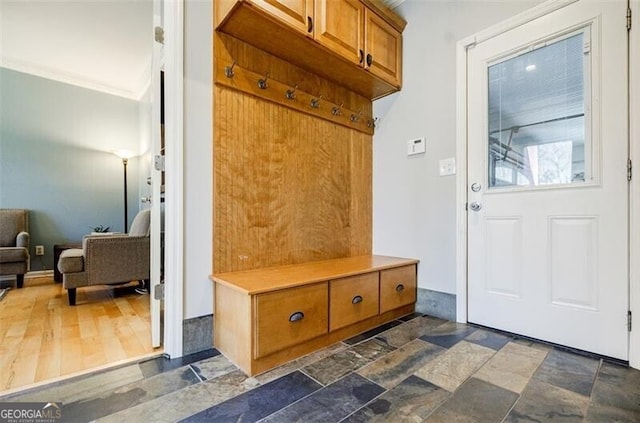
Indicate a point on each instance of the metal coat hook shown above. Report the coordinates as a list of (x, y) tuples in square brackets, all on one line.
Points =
[(262, 82), (315, 102), (356, 117), (336, 110), (228, 70), (371, 123), (291, 94)]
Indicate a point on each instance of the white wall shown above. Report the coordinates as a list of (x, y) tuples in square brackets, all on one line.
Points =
[(413, 207), (198, 168)]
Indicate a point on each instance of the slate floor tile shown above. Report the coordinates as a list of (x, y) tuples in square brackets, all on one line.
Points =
[(448, 334), (211, 368), (475, 401), (541, 402), (82, 387), (407, 332), (598, 413), (451, 368), (488, 339), (335, 366), (187, 401), (260, 402), (331, 403), (618, 387), (373, 349), (371, 333), (512, 367), (397, 365), (129, 395), (299, 363), (162, 364), (410, 401), (410, 316), (569, 371)]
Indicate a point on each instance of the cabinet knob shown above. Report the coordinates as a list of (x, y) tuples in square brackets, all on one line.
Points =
[(357, 299), (309, 24), (369, 59), (400, 287), (361, 56), (296, 317)]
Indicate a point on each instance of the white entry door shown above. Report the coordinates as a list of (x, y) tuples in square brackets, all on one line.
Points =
[(547, 179)]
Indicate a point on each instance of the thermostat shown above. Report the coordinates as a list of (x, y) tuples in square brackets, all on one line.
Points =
[(416, 146)]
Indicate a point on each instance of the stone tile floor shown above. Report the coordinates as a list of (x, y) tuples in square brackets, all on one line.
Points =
[(418, 368)]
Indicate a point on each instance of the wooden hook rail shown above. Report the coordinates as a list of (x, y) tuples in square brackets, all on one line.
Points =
[(238, 78)]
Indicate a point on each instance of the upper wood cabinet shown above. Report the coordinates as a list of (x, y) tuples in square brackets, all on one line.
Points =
[(383, 49), (356, 43), (339, 25), (296, 13)]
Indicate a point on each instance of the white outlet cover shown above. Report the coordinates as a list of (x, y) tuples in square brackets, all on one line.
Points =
[(448, 166)]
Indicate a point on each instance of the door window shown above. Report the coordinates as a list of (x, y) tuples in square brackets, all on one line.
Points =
[(538, 114)]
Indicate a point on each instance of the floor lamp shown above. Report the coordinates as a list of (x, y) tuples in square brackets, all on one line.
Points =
[(125, 155)]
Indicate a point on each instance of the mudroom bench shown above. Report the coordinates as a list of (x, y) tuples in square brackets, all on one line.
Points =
[(266, 317)]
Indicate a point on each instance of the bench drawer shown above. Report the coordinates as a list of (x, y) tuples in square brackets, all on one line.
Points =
[(397, 287), (289, 316), (353, 299)]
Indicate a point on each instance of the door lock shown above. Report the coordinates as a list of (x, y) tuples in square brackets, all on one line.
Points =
[(475, 206), (476, 187)]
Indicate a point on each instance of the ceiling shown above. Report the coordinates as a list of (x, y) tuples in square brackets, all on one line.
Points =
[(104, 45)]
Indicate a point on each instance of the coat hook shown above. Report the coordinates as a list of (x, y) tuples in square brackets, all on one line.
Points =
[(262, 83), (356, 117), (291, 94), (336, 110), (371, 123), (315, 102), (228, 70)]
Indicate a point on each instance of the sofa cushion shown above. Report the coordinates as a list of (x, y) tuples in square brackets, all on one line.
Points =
[(13, 254), (71, 261)]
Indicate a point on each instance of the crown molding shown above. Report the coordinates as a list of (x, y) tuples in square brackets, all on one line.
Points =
[(392, 4), (74, 79)]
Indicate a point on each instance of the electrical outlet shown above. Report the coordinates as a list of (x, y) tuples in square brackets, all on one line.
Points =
[(39, 250)]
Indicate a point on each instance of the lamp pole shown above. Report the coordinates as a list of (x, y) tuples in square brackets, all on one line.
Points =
[(124, 163)]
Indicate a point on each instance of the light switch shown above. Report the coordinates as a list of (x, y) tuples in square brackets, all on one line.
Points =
[(416, 146), (448, 166)]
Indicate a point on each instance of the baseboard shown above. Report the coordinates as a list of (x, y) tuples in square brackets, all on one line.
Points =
[(437, 304), (197, 334), (39, 274)]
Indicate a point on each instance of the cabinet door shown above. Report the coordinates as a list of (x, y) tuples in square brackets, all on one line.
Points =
[(289, 317), (383, 49), (397, 287), (352, 299), (339, 25), (296, 13)]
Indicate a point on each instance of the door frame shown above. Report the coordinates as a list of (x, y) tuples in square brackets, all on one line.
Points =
[(462, 161), (174, 170)]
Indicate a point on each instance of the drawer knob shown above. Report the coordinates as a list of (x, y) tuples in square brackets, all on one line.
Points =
[(400, 287), (296, 317), (357, 299)]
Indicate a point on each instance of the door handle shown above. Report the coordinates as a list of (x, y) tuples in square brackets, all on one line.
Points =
[(475, 206)]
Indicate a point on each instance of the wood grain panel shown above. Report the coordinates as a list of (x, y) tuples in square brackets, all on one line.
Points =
[(288, 187)]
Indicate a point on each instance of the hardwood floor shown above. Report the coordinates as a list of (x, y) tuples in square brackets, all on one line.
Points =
[(43, 338)]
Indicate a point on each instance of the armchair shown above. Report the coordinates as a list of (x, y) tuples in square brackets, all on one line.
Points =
[(14, 243), (108, 259)]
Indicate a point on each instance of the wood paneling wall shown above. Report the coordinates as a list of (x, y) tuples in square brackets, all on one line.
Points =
[(288, 187)]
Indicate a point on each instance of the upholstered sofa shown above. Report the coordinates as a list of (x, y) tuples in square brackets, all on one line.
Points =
[(108, 259), (14, 243)]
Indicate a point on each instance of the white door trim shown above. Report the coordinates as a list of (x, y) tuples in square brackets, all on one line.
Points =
[(461, 157), (174, 208), (634, 191)]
